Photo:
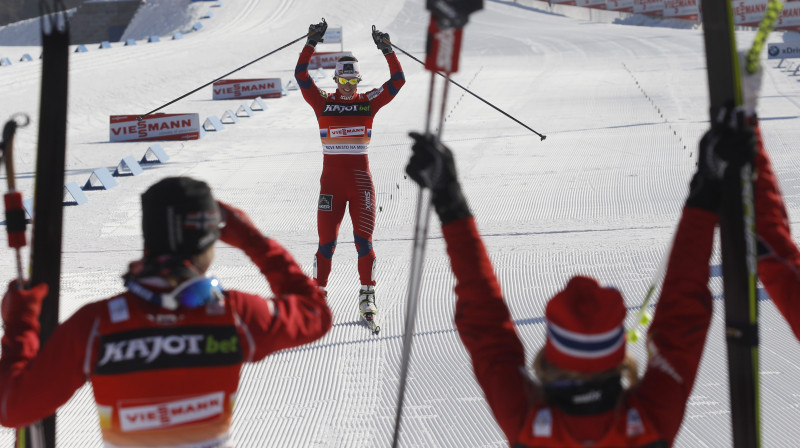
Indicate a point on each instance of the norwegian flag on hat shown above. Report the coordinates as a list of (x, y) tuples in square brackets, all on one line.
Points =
[(585, 331)]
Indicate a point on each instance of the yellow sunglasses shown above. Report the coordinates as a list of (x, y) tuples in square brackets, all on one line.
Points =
[(343, 81)]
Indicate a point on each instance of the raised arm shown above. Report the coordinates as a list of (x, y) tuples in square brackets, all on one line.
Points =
[(385, 93), (482, 318), (298, 313), (313, 95), (677, 335), (779, 259)]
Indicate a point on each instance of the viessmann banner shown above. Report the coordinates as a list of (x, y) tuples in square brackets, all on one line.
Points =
[(230, 89), (156, 127)]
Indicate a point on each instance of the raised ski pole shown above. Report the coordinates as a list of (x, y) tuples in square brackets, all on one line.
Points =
[(140, 117), (15, 213), (49, 191), (448, 17), (541, 136), (737, 217)]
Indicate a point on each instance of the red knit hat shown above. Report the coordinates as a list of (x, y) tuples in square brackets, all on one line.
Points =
[(585, 331)]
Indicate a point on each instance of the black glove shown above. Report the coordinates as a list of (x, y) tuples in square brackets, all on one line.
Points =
[(316, 32), (432, 166), (729, 142), (382, 41)]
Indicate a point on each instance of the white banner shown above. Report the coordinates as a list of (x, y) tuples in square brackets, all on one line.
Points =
[(783, 51), (228, 89), (326, 59), (332, 36), (156, 127), (596, 4), (619, 5), (790, 17), (681, 9), (748, 12), (651, 7)]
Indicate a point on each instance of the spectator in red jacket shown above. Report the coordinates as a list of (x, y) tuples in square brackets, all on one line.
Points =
[(578, 398), (164, 356)]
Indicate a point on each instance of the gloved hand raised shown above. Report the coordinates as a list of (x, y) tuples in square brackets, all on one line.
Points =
[(382, 41), (315, 33), (729, 142), (432, 166), (239, 231)]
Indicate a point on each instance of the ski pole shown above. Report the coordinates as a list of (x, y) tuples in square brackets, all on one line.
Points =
[(442, 55), (542, 137), (643, 316), (140, 117), (15, 213)]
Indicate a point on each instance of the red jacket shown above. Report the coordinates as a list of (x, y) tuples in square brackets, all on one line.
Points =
[(345, 125), (650, 413), (779, 260), (161, 378)]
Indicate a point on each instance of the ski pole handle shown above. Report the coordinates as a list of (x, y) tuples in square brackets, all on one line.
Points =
[(16, 222)]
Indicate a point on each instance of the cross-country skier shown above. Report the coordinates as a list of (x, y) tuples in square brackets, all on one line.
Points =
[(164, 357), (345, 127), (579, 397)]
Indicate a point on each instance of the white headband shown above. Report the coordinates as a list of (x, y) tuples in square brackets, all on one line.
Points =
[(347, 69)]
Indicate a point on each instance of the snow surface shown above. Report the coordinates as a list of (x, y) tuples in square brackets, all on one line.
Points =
[(623, 108)]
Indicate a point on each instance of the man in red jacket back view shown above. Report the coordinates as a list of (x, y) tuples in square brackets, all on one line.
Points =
[(164, 357), (345, 129), (579, 399)]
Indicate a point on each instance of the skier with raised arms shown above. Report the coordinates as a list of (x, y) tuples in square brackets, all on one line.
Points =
[(345, 128), (576, 395), (165, 356)]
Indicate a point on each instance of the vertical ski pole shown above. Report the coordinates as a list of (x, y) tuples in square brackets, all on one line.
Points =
[(15, 213), (49, 190), (444, 44), (728, 86)]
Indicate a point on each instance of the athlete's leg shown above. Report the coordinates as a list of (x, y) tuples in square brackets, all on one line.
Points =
[(330, 211), (362, 212)]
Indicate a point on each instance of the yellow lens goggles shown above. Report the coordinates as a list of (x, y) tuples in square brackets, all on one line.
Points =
[(352, 81)]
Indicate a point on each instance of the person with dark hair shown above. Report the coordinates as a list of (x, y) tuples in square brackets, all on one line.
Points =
[(164, 356), (585, 389), (345, 128)]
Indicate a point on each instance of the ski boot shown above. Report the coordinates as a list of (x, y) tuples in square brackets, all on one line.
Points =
[(366, 305)]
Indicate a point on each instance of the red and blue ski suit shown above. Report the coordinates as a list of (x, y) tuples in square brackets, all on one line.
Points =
[(650, 414), (345, 128)]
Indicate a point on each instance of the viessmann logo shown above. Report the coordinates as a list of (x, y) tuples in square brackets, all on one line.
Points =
[(347, 132), (162, 415), (161, 348)]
